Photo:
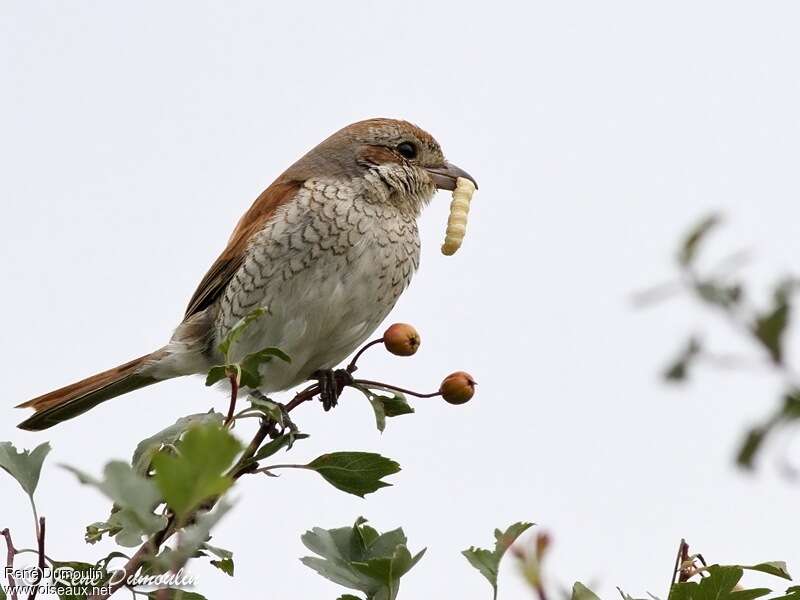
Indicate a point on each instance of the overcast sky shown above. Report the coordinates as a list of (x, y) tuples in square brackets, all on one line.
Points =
[(134, 135)]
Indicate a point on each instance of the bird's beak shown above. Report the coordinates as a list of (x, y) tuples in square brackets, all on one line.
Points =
[(444, 177)]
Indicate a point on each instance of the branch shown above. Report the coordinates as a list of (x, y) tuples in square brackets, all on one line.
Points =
[(233, 377), (40, 538), (243, 465), (11, 552)]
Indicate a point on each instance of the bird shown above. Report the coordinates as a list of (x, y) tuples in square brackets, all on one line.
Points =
[(324, 252)]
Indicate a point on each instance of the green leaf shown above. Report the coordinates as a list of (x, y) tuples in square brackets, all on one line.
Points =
[(225, 565), (581, 592), (218, 552), (197, 472), (94, 532), (64, 576), (749, 448), (270, 409), (247, 369), (217, 374), (769, 328), (251, 376), (342, 597), (719, 585), (360, 558), (792, 593), (389, 570), (788, 412), (127, 529), (25, 466), (719, 294), (693, 239), (357, 473), (776, 568), (225, 562), (282, 441), (134, 496), (386, 406), (238, 329), (148, 447), (679, 369), (487, 562)]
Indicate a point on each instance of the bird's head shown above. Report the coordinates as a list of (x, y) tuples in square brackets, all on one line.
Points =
[(398, 154)]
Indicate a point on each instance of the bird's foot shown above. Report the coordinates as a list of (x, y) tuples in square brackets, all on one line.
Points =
[(331, 384)]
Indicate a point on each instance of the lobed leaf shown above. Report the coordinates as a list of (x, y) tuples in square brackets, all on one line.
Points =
[(776, 568), (238, 329), (135, 497), (360, 558), (581, 592), (149, 447), (25, 466), (487, 562), (720, 584), (357, 473), (197, 472)]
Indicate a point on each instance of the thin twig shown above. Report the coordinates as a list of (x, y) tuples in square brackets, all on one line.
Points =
[(40, 539), (300, 397), (540, 591), (234, 379), (10, 553), (244, 465), (351, 368), (367, 382), (677, 563)]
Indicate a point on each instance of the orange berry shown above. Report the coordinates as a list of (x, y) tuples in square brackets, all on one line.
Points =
[(458, 387), (401, 339)]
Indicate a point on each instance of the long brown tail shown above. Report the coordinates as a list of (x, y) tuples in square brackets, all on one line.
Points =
[(75, 399)]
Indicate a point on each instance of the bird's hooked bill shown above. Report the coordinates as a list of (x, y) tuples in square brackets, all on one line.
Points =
[(445, 177)]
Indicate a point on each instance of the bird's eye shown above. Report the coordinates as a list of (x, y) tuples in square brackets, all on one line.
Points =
[(407, 150)]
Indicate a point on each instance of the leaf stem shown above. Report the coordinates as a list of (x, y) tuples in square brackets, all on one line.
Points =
[(351, 368), (286, 466), (35, 515), (40, 530), (367, 382)]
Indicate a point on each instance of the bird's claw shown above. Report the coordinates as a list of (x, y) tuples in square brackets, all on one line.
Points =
[(331, 383)]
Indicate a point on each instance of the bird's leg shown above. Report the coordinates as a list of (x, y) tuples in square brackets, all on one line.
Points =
[(331, 384)]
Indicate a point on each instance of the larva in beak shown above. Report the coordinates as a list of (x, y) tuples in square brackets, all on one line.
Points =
[(457, 221)]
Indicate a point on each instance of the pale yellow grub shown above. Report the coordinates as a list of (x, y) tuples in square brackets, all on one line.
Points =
[(457, 222)]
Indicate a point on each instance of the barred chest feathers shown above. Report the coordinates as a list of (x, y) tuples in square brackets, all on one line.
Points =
[(328, 268)]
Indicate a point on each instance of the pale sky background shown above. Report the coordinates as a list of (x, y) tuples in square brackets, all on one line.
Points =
[(134, 135)]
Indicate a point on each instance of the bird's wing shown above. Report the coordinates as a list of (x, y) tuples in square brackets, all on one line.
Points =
[(224, 268)]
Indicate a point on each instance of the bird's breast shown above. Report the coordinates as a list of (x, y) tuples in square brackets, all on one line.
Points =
[(328, 268)]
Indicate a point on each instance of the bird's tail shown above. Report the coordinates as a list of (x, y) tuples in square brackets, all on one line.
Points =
[(77, 398)]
